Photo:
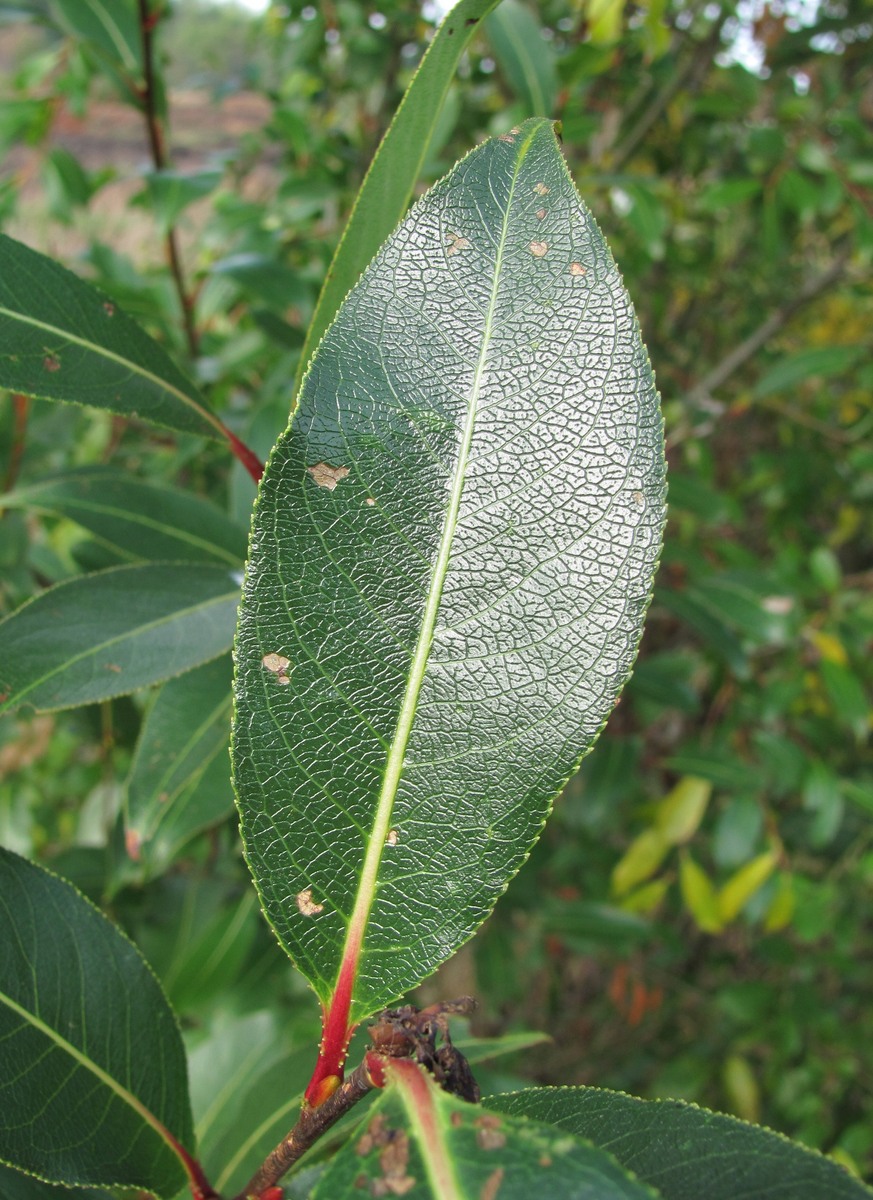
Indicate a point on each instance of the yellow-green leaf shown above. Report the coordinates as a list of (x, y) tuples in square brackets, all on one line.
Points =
[(641, 859), (743, 884), (781, 909), (680, 812), (741, 1088), (699, 895)]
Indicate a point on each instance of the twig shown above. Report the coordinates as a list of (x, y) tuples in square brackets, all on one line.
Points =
[(700, 395), (147, 23), (312, 1123), (20, 410)]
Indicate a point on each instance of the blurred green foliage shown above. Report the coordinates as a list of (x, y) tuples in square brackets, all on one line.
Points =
[(695, 920)]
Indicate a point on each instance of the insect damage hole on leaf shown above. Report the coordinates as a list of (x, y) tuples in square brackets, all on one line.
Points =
[(456, 243), (327, 476), (307, 906)]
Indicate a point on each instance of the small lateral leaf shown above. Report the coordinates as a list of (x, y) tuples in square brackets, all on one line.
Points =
[(62, 339), (387, 188), (680, 812), (742, 885), (700, 895), (115, 631), (421, 1143), (137, 520), (92, 1054), (640, 861), (450, 564), (687, 1152), (179, 781)]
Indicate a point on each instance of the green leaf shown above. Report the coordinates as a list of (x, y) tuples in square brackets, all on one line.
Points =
[(113, 29), (110, 633), (93, 1056), (815, 362), (170, 192), (61, 339), (246, 1084), (525, 58), (685, 1151), (421, 1143), (450, 564), (16, 1186), (388, 186), (137, 520), (179, 780)]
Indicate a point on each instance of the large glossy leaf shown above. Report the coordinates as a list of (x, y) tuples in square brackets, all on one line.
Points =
[(93, 1089), (180, 780), (386, 191), (450, 563), (687, 1152), (424, 1144), (61, 339), (135, 519), (112, 632), (14, 1185)]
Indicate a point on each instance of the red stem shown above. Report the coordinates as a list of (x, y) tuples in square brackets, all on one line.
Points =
[(247, 457), (336, 1032)]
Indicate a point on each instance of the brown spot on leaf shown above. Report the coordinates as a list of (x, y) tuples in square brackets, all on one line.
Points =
[(639, 499), (277, 663), (377, 1135), (538, 249), (490, 1135), (133, 844), (370, 501), (457, 1119), (51, 363), (282, 679), (545, 1160), (392, 838), (114, 667), (505, 137), (541, 189), (109, 308), (327, 476), (306, 905), (456, 244), (541, 213), (576, 268), (491, 1185)]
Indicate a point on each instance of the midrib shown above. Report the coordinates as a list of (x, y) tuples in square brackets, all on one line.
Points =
[(394, 764)]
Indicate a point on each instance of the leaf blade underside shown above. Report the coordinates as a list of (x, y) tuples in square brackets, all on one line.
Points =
[(452, 550)]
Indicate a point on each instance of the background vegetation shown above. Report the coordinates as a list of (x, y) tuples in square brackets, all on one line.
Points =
[(695, 921)]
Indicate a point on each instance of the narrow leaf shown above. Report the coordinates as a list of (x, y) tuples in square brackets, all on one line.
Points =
[(685, 1151), (525, 58), (387, 188), (93, 1058), (112, 632), (743, 884), (179, 780), (61, 339), (450, 564), (111, 28), (136, 519), (421, 1143)]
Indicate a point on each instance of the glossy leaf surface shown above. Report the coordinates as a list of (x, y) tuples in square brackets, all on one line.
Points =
[(687, 1152), (135, 519), (424, 1144), (450, 563), (179, 780), (61, 339), (112, 632), (387, 189), (92, 1054)]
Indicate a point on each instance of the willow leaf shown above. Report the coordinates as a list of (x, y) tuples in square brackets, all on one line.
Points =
[(451, 558), (387, 188), (61, 339), (421, 1143), (92, 1054)]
